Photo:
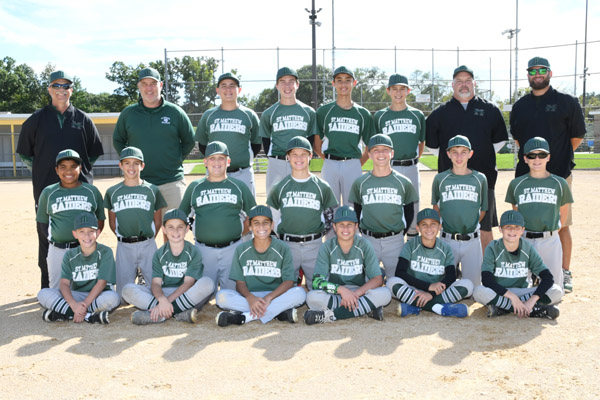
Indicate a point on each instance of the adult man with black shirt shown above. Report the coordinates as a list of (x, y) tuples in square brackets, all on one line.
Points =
[(558, 118), (479, 120), (56, 127)]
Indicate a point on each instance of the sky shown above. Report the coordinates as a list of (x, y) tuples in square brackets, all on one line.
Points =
[(84, 38)]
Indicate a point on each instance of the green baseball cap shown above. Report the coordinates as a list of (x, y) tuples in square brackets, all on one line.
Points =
[(286, 71), (463, 68), (216, 147), (536, 144), (345, 213), (380, 140), (512, 217), (228, 75), (343, 70), (56, 75), (260, 211), (459, 140), (538, 62), (132, 152), (299, 142), (149, 73), (85, 220), (428, 213), (68, 154), (398, 79), (175, 213)]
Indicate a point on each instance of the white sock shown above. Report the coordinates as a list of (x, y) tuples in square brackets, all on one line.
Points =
[(249, 317), (437, 308)]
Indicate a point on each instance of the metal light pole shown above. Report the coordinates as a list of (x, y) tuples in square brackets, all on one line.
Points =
[(517, 30), (312, 20), (511, 33), (585, 55)]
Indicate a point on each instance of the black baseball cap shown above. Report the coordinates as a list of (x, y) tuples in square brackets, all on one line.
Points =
[(68, 154)]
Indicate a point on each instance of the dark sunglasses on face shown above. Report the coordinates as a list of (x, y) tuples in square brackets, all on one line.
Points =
[(65, 86), (532, 156), (540, 71)]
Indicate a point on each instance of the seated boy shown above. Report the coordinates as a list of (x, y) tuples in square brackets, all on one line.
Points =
[(347, 281), (506, 265), (264, 277), (88, 272), (426, 275), (178, 288)]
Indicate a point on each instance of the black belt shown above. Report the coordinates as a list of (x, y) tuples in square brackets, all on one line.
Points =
[(405, 163), (234, 170), (278, 157), (299, 239), (336, 158), (378, 235), (68, 245), (459, 236), (538, 235), (132, 239), (220, 245)]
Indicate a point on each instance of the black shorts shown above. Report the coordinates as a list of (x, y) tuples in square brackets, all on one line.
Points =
[(490, 219)]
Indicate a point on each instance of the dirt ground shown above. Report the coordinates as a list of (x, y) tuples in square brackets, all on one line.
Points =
[(424, 357)]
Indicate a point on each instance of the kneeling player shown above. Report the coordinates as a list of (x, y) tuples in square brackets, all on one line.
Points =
[(347, 279), (88, 273), (178, 288), (506, 265), (264, 277), (426, 275)]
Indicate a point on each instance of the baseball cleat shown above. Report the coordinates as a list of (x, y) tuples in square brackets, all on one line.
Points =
[(143, 318), (100, 317), (376, 314), (567, 281), (190, 316), (405, 309), (226, 318), (289, 315), (540, 311), (455, 310), (51, 316), (495, 311), (312, 317)]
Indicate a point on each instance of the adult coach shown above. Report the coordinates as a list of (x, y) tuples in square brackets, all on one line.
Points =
[(479, 120), (162, 131), (558, 118), (48, 131)]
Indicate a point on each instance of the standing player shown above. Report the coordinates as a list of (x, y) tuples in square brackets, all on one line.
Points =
[(178, 288), (542, 198), (383, 200), (264, 274), (134, 207), (58, 206), (87, 276), (343, 124), (460, 196), (426, 276), (234, 125), (556, 117), (220, 204), (284, 120), (507, 263), (305, 203), (405, 125), (348, 279)]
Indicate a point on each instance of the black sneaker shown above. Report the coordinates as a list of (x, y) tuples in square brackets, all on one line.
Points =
[(226, 318), (550, 312), (100, 317), (289, 315), (495, 311), (312, 317), (52, 316), (376, 314)]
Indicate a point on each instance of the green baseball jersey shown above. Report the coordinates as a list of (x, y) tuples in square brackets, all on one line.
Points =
[(262, 272), (134, 207), (218, 207), (59, 206), (237, 129), (280, 123), (511, 270), (353, 268), (164, 134), (426, 264), (342, 130), (173, 269), (301, 203), (461, 198), (539, 200), (406, 128), (85, 271), (382, 199)]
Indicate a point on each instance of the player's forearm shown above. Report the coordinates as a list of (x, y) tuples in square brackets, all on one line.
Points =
[(364, 157), (242, 288), (372, 283), (421, 149), (65, 291), (575, 142), (318, 144), (188, 282), (320, 283), (95, 292), (281, 289)]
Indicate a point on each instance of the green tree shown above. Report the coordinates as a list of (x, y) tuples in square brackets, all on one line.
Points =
[(370, 90), (421, 84), (19, 87)]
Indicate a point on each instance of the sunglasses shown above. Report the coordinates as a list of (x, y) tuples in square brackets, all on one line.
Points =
[(533, 156), (540, 71), (65, 86)]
